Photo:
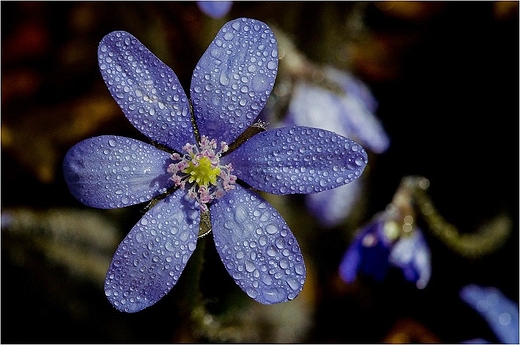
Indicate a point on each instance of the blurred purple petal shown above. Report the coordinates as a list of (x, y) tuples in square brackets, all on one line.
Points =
[(111, 171), (353, 87), (332, 206), (367, 254), (349, 266), (499, 311), (412, 255), (257, 247), (233, 79), (298, 160), (215, 9), (151, 258), (148, 91), (347, 114)]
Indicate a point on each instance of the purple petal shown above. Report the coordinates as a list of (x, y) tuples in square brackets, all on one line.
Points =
[(233, 79), (148, 91), (352, 86), (332, 206), (412, 255), (151, 258), (257, 247), (215, 9), (297, 160), (349, 265), (111, 171), (499, 311), (368, 253)]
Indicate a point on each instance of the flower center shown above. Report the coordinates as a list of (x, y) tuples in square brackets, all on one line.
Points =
[(200, 173)]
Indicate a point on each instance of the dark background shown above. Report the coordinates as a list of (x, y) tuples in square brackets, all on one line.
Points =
[(445, 75)]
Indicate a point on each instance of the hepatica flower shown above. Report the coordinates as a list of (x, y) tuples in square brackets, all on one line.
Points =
[(387, 242), (197, 166)]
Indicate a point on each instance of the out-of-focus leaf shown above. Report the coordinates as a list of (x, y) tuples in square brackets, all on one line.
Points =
[(82, 242), (38, 138)]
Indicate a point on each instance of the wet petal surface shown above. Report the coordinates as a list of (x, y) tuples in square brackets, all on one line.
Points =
[(257, 248), (112, 171), (297, 160), (148, 91), (233, 79), (151, 258)]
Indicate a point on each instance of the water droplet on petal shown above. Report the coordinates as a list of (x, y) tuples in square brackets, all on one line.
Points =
[(359, 161), (274, 295)]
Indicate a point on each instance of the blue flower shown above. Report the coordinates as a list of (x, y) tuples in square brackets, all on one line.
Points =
[(386, 242), (193, 169), (500, 312), (349, 110), (215, 9)]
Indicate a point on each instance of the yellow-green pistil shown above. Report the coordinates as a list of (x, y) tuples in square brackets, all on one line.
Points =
[(203, 173), (199, 171)]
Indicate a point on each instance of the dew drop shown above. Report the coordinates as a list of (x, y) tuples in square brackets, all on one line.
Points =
[(250, 267), (251, 293), (293, 284), (271, 229), (271, 251), (224, 79), (169, 246), (275, 295), (228, 36), (215, 52), (267, 280), (260, 83), (299, 269), (359, 161)]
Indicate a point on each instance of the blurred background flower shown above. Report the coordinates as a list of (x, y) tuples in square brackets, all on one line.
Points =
[(215, 9), (392, 238), (444, 83), (380, 245)]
